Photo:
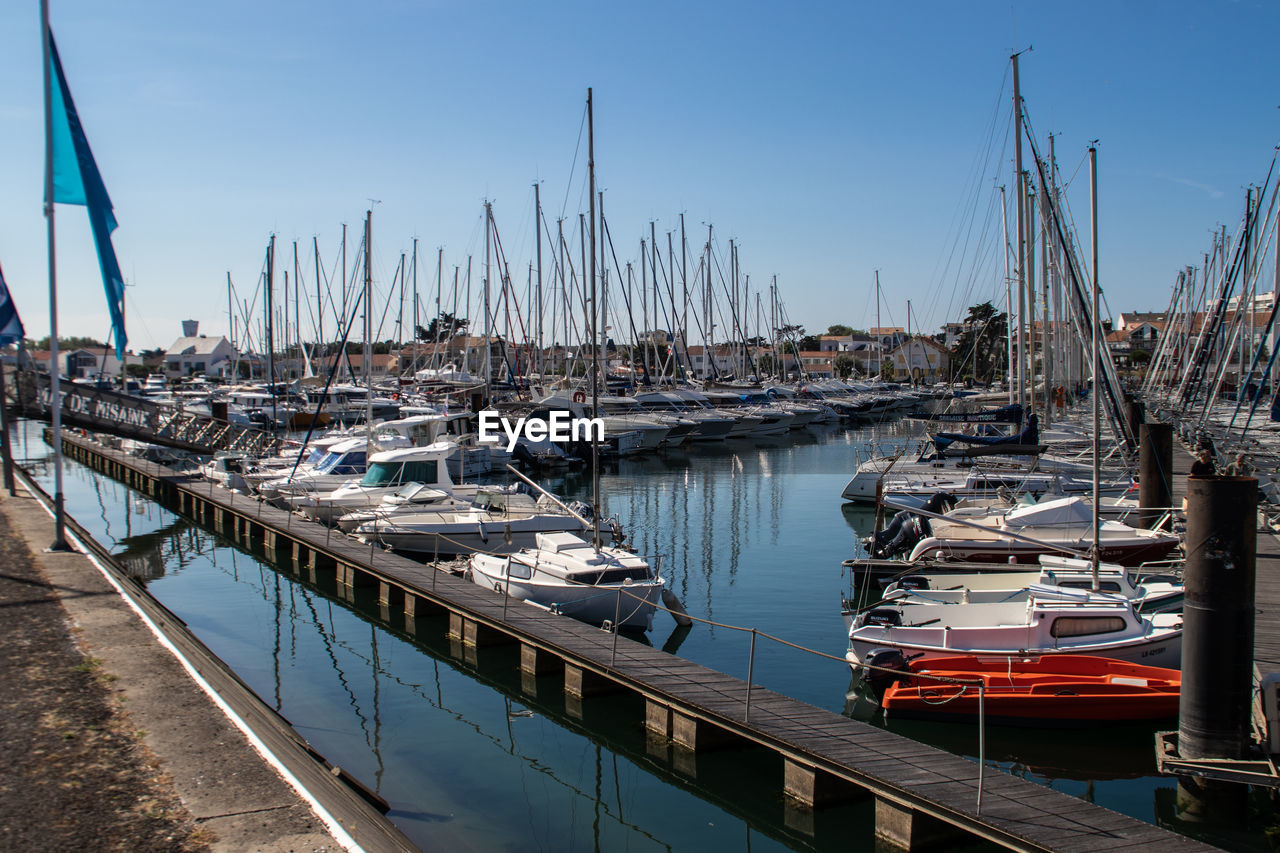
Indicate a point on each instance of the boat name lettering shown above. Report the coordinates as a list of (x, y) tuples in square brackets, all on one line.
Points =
[(559, 426)]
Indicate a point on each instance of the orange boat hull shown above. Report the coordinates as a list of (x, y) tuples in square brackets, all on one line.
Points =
[(1052, 688)]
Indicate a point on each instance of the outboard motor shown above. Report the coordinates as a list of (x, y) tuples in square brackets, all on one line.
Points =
[(900, 534), (884, 659), (907, 528), (912, 582)]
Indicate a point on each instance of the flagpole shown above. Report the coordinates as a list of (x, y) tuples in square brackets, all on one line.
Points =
[(55, 385)]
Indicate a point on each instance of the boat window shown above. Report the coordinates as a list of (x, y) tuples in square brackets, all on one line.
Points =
[(343, 463), (518, 570), (382, 474), (1080, 626), (1104, 586), (612, 576), (425, 471)]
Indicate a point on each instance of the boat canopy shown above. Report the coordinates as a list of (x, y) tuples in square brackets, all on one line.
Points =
[(1060, 512)]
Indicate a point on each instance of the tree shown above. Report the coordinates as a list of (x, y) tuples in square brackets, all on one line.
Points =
[(844, 365), (839, 329), (809, 343), (980, 349), (765, 365), (64, 344), (442, 328)]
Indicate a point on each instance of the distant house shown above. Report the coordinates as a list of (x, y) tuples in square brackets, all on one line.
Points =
[(80, 363), (835, 343), (921, 359), (199, 355), (820, 364)]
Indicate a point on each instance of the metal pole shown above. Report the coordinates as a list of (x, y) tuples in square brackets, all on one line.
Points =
[(595, 330), (1019, 194), (617, 614), (982, 741), (751, 668), (5, 448), (55, 384), (1097, 361)]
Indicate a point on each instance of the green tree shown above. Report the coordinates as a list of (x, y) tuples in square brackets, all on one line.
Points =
[(839, 329), (980, 350), (844, 365), (445, 326), (809, 343)]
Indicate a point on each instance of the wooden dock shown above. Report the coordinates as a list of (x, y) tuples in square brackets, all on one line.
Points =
[(922, 794)]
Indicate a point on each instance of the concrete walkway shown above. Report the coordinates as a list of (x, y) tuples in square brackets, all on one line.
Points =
[(193, 782)]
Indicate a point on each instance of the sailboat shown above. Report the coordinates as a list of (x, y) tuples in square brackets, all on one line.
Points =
[(565, 572)]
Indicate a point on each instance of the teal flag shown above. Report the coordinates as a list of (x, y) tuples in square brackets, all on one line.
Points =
[(76, 180)]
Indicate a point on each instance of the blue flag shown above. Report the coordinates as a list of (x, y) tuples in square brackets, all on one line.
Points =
[(76, 180), (11, 330)]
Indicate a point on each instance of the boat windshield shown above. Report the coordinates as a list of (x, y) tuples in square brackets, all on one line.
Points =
[(382, 474), (342, 463)]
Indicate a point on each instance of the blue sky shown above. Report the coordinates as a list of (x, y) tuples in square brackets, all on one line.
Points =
[(829, 140)]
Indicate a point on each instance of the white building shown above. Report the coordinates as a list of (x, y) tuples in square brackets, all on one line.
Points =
[(198, 355)]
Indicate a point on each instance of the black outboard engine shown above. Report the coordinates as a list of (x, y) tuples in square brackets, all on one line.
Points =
[(901, 534), (884, 659), (906, 528)]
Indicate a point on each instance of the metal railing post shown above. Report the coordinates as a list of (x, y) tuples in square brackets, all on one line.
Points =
[(617, 612), (982, 740), (751, 668)]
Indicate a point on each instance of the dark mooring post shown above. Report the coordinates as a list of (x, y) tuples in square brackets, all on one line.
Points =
[(1217, 637), (1155, 472), (1135, 412)]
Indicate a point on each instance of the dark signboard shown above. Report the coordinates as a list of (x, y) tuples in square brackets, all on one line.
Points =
[(91, 407)]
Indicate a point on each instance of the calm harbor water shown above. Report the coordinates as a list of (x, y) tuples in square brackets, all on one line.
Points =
[(752, 535)]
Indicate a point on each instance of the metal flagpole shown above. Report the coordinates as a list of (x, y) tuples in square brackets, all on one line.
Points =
[(55, 395)]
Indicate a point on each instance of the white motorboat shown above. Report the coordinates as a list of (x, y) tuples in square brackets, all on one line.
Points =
[(388, 472), (1088, 624), (1064, 525), (1056, 573), (566, 574), (344, 461), (500, 522)]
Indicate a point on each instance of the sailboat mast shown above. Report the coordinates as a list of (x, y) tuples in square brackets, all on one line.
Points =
[(1097, 361), (879, 330), (1020, 195), (488, 318), (537, 241), (593, 320), (315, 245), (1008, 299), (271, 344), (368, 322), (1029, 278)]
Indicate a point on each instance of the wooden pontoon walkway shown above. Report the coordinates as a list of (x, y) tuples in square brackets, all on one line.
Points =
[(922, 794)]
